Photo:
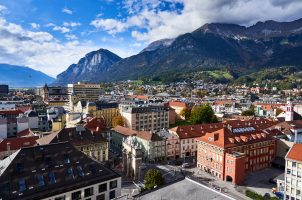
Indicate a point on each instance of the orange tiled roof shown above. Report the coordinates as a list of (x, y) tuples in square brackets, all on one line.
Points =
[(17, 143), (295, 153), (177, 104)]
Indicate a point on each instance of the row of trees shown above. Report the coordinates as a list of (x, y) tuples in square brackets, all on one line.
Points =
[(199, 114)]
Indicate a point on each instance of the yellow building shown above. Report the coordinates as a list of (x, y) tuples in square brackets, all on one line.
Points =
[(107, 111), (59, 124)]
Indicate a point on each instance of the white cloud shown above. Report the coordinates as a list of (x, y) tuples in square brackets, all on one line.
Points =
[(67, 11), (3, 9), (71, 37), (71, 24), (112, 26), (35, 25), (148, 22), (38, 50), (61, 29)]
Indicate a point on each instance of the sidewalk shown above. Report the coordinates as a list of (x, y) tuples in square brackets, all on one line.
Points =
[(225, 187)]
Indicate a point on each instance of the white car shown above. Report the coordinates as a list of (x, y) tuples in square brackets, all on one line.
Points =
[(185, 165)]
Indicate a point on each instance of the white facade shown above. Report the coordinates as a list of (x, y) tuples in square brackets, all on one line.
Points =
[(293, 180), (22, 124), (33, 122), (93, 192), (7, 106)]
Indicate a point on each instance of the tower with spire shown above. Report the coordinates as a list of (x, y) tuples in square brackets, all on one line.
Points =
[(289, 114)]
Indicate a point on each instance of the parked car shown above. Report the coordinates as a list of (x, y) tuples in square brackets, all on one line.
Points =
[(185, 165)]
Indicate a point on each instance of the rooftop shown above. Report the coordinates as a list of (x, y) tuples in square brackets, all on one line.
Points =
[(43, 171), (184, 189), (295, 153)]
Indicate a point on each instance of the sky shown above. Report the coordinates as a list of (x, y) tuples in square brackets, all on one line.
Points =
[(50, 35)]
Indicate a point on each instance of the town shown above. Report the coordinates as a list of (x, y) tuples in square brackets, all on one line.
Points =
[(131, 140)]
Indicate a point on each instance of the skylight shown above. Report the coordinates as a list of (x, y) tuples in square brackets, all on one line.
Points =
[(22, 185), (66, 159), (52, 177), (70, 172), (80, 171), (40, 180)]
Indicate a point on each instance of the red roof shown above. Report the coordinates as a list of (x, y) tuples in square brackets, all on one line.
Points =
[(95, 124), (17, 143), (25, 133), (225, 138), (24, 108), (177, 104), (295, 153), (142, 97), (10, 112), (198, 130)]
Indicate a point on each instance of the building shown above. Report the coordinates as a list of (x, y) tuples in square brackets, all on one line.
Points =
[(4, 90), (100, 110), (188, 134), (172, 144), (89, 142), (83, 91), (232, 152), (132, 158), (145, 117), (54, 95), (56, 171), (152, 145), (10, 145), (293, 173)]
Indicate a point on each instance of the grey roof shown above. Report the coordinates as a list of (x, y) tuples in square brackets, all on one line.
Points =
[(43, 171), (184, 189)]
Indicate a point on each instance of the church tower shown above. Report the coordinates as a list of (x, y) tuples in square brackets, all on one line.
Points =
[(289, 114)]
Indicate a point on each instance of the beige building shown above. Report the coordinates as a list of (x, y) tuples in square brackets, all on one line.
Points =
[(145, 117), (83, 91), (91, 143)]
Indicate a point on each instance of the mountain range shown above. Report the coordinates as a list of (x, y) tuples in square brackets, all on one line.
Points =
[(213, 46), (19, 76)]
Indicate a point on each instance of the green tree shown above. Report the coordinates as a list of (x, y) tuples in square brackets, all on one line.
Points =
[(118, 121), (203, 114), (153, 178), (186, 113), (249, 112)]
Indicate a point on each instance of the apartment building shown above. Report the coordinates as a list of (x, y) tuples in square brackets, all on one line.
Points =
[(232, 152), (145, 117), (56, 172), (293, 173), (85, 91)]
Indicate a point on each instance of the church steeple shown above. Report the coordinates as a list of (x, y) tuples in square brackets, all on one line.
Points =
[(289, 114)]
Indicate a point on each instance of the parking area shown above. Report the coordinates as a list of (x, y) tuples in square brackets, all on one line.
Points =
[(260, 181)]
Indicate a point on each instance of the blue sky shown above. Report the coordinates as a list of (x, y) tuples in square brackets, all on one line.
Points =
[(49, 35)]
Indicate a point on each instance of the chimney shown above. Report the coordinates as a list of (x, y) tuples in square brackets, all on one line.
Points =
[(8, 148), (296, 136)]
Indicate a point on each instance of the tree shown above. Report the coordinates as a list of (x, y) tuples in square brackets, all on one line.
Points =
[(118, 121), (203, 114), (249, 112), (153, 178), (186, 113)]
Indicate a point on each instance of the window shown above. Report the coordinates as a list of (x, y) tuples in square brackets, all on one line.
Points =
[(100, 197), (66, 158), (102, 187), (52, 177), (112, 194), (88, 192), (113, 184), (40, 180), (22, 185), (80, 171), (70, 172), (76, 195), (60, 198)]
